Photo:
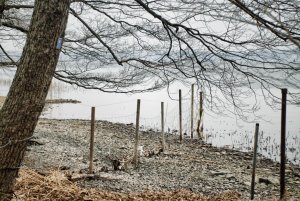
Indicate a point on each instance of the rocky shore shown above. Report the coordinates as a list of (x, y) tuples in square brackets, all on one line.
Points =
[(190, 165)]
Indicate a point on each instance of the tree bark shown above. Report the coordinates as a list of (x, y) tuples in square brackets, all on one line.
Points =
[(26, 97)]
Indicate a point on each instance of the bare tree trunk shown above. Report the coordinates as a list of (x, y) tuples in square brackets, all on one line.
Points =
[(26, 97)]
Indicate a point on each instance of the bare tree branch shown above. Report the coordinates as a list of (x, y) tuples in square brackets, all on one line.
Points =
[(7, 55), (12, 26), (268, 24), (7, 7), (96, 35), (231, 49)]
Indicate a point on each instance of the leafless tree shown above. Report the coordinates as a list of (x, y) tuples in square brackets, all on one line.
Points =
[(230, 48), (26, 98), (227, 47)]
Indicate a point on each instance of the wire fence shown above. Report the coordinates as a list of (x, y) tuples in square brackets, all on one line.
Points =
[(230, 136)]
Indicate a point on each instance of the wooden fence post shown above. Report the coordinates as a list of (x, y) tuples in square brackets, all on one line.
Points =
[(180, 117), (254, 160), (192, 112), (282, 143), (200, 121), (162, 126), (136, 157), (92, 140)]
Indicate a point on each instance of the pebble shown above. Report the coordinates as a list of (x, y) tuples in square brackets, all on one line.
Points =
[(204, 169)]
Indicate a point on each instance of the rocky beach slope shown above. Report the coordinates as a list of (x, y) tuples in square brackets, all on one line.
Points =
[(191, 165)]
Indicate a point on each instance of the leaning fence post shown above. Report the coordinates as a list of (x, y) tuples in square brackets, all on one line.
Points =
[(180, 117), (254, 160), (92, 140), (282, 143), (192, 112), (135, 157), (162, 126)]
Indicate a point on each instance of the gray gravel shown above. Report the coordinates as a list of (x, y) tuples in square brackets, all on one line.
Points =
[(191, 165)]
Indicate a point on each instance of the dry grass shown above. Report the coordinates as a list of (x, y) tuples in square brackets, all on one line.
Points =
[(32, 186)]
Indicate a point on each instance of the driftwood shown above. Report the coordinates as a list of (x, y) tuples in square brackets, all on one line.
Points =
[(79, 177)]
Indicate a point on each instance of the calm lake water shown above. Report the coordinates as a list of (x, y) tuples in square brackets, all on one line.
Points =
[(219, 130)]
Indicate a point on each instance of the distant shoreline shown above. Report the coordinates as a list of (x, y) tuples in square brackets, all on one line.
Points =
[(48, 101)]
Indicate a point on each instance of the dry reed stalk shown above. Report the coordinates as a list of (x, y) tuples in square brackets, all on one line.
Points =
[(33, 186)]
